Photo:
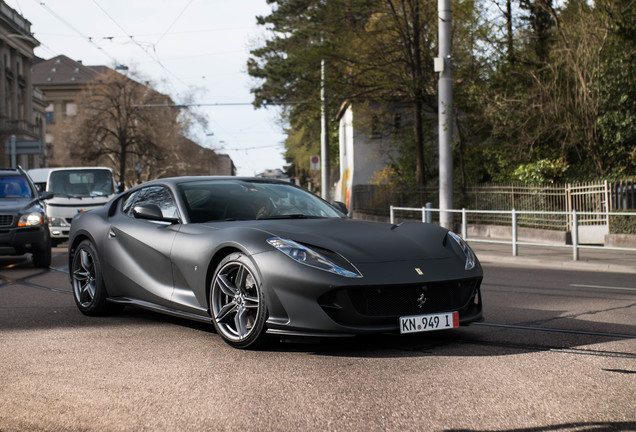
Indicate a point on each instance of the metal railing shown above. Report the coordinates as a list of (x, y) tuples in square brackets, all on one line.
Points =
[(427, 217)]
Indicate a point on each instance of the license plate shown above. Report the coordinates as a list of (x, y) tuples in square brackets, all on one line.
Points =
[(429, 322)]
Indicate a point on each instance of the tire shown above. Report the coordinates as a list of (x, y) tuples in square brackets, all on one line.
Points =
[(89, 291), (41, 255), (237, 303)]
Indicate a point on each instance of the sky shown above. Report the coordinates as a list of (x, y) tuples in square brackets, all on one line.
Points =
[(185, 47)]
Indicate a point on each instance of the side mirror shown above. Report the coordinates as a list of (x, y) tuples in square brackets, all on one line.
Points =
[(339, 205), (46, 195), (151, 212)]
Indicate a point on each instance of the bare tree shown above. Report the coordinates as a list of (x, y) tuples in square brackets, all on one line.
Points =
[(126, 125)]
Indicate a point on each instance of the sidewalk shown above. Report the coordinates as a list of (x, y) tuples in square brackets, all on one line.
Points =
[(556, 257)]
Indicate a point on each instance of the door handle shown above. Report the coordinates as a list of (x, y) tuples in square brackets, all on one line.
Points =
[(111, 233)]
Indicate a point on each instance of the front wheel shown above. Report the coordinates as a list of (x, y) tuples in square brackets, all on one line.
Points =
[(41, 255), (88, 285), (237, 303)]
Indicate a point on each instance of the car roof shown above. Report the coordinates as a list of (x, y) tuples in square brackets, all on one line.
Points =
[(188, 179), (12, 171), (79, 168), (39, 175)]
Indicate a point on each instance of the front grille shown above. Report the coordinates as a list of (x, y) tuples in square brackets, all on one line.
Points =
[(6, 220), (376, 304)]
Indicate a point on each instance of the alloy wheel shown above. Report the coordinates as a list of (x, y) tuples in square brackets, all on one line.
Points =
[(236, 301), (84, 278)]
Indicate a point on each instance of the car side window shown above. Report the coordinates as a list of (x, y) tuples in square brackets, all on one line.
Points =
[(157, 195), (128, 202)]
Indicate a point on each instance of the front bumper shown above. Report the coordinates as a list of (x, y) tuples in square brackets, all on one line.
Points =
[(310, 302), (59, 228), (17, 241), (59, 233)]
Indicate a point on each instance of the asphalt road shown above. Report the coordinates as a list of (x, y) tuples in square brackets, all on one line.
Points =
[(557, 351)]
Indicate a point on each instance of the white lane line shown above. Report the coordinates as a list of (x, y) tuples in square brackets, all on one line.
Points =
[(603, 287)]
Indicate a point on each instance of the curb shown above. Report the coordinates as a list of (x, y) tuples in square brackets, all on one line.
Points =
[(520, 261)]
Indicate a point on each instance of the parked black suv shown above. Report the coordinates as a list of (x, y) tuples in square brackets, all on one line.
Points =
[(23, 222)]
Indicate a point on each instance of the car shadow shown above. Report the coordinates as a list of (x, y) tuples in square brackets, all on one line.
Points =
[(573, 427), (51, 308)]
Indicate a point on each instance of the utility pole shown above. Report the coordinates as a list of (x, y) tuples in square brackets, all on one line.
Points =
[(324, 136), (445, 114)]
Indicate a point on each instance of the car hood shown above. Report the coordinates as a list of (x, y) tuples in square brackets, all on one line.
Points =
[(15, 205), (364, 242)]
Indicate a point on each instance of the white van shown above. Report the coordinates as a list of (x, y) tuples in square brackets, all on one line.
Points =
[(76, 190)]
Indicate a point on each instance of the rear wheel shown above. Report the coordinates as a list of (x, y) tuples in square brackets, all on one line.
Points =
[(88, 285), (237, 303)]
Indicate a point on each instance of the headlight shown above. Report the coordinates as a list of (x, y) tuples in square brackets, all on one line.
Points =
[(470, 256), (31, 219), (311, 258), (58, 222)]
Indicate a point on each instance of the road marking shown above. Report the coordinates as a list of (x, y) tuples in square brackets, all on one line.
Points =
[(603, 287), (555, 330)]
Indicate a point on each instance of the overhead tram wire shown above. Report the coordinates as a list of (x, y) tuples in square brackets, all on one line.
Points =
[(69, 25), (173, 23), (153, 58), (195, 105)]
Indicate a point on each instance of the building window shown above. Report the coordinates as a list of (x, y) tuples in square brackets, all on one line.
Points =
[(71, 109), (50, 114)]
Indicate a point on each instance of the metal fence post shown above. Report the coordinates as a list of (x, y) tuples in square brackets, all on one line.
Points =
[(429, 213), (575, 236), (392, 218), (464, 225), (515, 247)]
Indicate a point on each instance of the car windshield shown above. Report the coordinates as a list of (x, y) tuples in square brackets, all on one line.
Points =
[(222, 200), (12, 187), (75, 183)]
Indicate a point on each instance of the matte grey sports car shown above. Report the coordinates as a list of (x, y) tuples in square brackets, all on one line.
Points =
[(259, 258)]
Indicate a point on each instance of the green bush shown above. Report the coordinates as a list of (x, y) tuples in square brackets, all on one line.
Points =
[(623, 224)]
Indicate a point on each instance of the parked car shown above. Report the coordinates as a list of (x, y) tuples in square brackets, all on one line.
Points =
[(23, 220), (76, 189), (260, 257)]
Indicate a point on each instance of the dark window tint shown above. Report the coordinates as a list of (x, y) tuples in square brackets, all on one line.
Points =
[(157, 195), (14, 187)]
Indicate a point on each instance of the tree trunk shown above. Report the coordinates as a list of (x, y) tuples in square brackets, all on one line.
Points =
[(509, 35), (420, 168)]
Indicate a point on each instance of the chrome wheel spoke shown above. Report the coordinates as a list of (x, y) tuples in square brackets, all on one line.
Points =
[(240, 321), (225, 313), (86, 261), (81, 275), (89, 289), (226, 286), (251, 302), (239, 281)]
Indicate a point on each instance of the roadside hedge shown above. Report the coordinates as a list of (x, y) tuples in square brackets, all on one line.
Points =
[(620, 224)]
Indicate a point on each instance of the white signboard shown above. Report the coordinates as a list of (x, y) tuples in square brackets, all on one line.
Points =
[(314, 162)]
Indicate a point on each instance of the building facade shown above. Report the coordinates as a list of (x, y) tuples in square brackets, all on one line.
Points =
[(367, 133), (63, 79), (22, 108)]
